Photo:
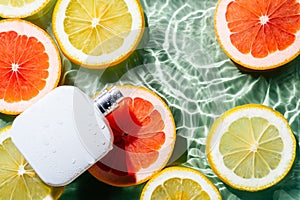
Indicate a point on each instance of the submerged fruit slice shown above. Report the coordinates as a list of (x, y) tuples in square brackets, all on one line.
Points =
[(251, 147), (29, 65), (259, 35), (179, 183), (98, 33), (21, 8), (144, 137), (17, 178)]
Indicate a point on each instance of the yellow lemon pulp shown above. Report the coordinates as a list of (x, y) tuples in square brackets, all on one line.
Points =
[(251, 147), (15, 3), (24, 8), (179, 183), (99, 33), (179, 189), (255, 147), (17, 178), (97, 27)]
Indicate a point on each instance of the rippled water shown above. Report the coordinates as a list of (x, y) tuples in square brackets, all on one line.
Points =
[(180, 59)]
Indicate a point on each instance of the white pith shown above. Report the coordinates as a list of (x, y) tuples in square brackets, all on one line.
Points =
[(90, 60), (26, 28), (273, 59), (5, 134), (165, 151), (274, 175), (24, 11), (170, 173)]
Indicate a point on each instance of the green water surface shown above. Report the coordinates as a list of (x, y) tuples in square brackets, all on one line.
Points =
[(180, 59)]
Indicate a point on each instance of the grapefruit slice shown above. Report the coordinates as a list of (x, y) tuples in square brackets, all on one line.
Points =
[(22, 9), (98, 34), (180, 183), (259, 35), (17, 178), (251, 147), (144, 136), (29, 65)]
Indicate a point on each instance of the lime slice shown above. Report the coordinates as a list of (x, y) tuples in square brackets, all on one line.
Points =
[(251, 147)]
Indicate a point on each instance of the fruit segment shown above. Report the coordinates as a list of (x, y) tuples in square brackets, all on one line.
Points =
[(17, 178), (179, 183), (144, 136), (258, 35), (24, 67), (263, 27), (137, 129), (251, 147), (30, 65), (99, 33), (97, 28), (24, 8), (255, 147), (179, 189)]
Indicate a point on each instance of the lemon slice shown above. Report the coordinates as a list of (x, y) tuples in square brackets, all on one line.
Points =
[(17, 178), (179, 183), (251, 147), (22, 9), (98, 33)]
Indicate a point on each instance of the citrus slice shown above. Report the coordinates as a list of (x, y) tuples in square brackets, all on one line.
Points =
[(179, 183), (259, 35), (29, 65), (251, 147), (22, 9), (98, 33), (17, 178), (144, 136)]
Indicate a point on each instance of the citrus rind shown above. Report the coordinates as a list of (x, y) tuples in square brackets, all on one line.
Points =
[(29, 9), (182, 173), (221, 125), (110, 59), (23, 27), (272, 61), (164, 153), (54, 192)]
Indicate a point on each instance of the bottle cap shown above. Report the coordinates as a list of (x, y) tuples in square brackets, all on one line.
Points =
[(108, 100)]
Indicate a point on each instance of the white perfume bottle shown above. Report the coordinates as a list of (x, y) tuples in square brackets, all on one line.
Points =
[(65, 133)]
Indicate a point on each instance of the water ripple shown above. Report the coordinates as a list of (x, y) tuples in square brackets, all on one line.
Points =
[(182, 62)]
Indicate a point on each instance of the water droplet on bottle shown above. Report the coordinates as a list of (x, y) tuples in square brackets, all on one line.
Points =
[(103, 143), (103, 127), (73, 161), (95, 133), (91, 162), (54, 151)]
